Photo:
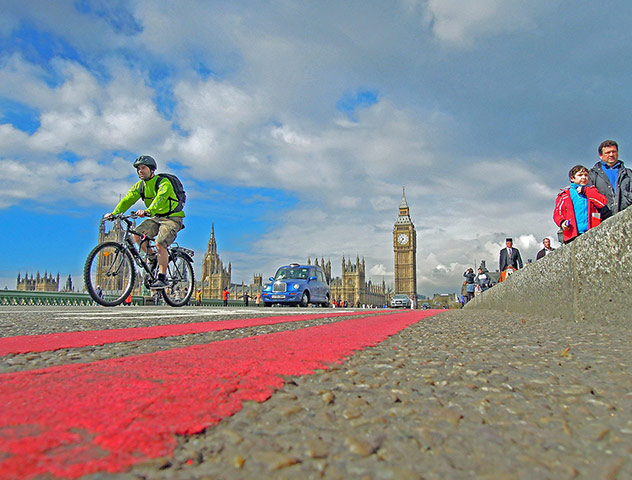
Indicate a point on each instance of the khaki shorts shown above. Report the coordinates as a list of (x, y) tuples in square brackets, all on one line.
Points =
[(163, 229)]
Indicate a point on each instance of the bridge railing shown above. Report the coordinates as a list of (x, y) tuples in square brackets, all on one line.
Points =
[(30, 298), (20, 297)]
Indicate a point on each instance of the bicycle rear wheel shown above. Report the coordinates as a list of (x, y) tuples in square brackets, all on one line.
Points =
[(180, 280), (110, 266)]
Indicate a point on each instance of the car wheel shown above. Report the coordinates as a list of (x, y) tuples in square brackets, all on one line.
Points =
[(327, 302), (304, 299)]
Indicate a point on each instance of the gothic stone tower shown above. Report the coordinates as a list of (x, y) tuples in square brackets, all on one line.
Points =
[(405, 247), (214, 276)]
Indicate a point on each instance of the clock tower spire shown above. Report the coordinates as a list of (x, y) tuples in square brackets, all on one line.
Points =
[(405, 247)]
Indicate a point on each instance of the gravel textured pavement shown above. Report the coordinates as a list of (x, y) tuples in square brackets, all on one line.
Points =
[(462, 394)]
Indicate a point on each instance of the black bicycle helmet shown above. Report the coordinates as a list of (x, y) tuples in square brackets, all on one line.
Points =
[(145, 160)]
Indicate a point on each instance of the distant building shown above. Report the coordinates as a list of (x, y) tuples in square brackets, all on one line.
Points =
[(214, 276), (352, 287), (405, 250), (38, 283)]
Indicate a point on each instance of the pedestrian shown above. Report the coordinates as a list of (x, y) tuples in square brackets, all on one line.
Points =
[(258, 299), (99, 291), (246, 297), (198, 298), (577, 207), (483, 282), (546, 243), (509, 256), (225, 294), (470, 285), (128, 300), (612, 179)]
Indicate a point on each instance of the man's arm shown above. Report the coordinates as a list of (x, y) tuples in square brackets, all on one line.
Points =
[(130, 198)]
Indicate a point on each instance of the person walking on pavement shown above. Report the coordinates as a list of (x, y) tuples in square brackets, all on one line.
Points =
[(470, 284), (509, 256), (225, 295), (546, 250)]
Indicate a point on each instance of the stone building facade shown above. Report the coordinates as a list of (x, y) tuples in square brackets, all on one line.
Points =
[(38, 283), (405, 249), (352, 287), (214, 275)]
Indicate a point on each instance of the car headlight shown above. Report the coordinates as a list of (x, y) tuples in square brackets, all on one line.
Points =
[(296, 286)]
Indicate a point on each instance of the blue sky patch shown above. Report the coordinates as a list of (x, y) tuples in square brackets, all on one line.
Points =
[(115, 14), (19, 115), (350, 102)]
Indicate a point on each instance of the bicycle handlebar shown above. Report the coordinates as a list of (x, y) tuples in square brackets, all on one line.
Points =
[(125, 217)]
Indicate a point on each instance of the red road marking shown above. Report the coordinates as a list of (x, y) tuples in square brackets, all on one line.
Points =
[(57, 341), (78, 419)]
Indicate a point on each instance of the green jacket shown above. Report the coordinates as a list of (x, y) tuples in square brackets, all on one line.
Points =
[(156, 203)]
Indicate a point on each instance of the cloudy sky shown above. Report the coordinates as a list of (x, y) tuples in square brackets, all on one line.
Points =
[(294, 124)]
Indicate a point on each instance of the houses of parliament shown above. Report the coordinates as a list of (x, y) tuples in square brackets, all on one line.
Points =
[(351, 287)]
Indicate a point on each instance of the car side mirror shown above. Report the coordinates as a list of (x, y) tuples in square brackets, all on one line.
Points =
[(312, 278), (272, 279)]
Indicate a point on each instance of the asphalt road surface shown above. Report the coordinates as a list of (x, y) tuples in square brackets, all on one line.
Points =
[(158, 393)]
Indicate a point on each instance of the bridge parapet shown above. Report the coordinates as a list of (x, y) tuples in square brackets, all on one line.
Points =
[(30, 298), (588, 279), (21, 297)]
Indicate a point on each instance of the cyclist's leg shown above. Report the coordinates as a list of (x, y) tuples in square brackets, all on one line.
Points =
[(150, 228), (169, 228)]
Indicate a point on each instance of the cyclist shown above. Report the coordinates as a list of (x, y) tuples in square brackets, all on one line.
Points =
[(164, 224)]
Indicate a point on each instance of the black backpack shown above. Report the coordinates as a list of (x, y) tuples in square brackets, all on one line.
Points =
[(178, 189)]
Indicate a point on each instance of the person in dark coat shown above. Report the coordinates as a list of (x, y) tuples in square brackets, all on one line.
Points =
[(470, 284), (612, 179), (509, 257), (546, 250)]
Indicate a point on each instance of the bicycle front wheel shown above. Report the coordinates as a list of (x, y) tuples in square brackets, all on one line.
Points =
[(180, 281), (109, 274)]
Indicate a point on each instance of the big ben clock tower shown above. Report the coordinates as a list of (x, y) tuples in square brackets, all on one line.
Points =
[(405, 246)]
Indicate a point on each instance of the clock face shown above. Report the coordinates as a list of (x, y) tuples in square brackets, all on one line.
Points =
[(402, 239)]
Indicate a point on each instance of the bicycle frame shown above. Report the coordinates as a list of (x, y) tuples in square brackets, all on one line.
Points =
[(131, 245)]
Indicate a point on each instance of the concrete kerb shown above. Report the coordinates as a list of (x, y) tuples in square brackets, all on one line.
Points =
[(588, 279)]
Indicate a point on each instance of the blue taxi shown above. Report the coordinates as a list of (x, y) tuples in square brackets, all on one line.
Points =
[(296, 284)]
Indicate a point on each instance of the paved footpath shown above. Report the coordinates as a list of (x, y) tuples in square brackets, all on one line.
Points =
[(203, 393)]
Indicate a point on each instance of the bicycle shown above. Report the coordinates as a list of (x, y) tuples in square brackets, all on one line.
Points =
[(110, 265)]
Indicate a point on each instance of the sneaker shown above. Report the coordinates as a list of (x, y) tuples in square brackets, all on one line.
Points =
[(158, 284)]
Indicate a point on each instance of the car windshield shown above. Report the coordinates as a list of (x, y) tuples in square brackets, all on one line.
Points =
[(401, 297), (296, 273)]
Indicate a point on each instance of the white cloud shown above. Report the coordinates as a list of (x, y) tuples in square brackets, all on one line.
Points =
[(462, 22), (263, 115)]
